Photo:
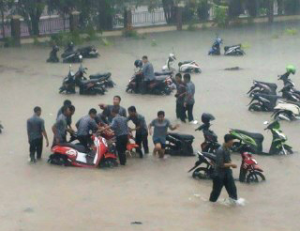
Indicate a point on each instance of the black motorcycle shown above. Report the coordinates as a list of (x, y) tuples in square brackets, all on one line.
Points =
[(203, 168), (104, 77), (260, 87), (210, 143), (235, 50), (88, 52), (53, 58), (70, 55), (160, 86), (263, 102), (289, 93), (68, 85)]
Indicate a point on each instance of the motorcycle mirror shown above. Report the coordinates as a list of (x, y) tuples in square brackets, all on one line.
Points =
[(266, 122)]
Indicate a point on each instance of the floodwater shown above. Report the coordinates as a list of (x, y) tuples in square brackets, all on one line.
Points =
[(158, 193)]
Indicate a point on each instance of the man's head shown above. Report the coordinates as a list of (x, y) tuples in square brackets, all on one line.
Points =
[(132, 111), (161, 115), (67, 102), (93, 113), (38, 111), (187, 78), (66, 111), (114, 112), (117, 100), (229, 140), (145, 59), (178, 78), (72, 109)]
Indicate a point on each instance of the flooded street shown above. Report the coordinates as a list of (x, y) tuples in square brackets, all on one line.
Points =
[(160, 194)]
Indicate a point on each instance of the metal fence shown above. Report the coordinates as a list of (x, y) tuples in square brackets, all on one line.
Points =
[(48, 25), (141, 19)]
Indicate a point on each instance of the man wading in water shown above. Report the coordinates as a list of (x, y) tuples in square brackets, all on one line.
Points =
[(223, 172)]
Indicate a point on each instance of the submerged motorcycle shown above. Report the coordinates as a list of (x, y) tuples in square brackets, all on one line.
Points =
[(216, 47), (260, 87), (287, 111), (76, 155), (70, 55), (263, 102), (210, 143), (88, 52), (53, 58), (235, 50), (162, 84), (255, 140), (184, 67)]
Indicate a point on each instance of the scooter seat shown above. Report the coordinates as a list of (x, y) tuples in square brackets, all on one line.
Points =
[(209, 155), (186, 62), (256, 136), (182, 136), (163, 73), (100, 75), (228, 47), (77, 147)]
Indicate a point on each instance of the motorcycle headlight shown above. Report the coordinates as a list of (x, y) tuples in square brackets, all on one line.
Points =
[(80, 56)]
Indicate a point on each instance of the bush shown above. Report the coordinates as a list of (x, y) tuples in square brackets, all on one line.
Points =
[(9, 42), (91, 33), (130, 32), (202, 10), (64, 38), (221, 16)]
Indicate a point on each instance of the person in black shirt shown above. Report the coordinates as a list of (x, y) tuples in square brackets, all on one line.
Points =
[(141, 131), (222, 171), (180, 98)]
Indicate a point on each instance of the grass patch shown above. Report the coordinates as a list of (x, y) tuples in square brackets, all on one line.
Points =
[(291, 31), (246, 45), (153, 43)]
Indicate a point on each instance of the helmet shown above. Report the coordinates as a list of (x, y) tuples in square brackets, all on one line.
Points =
[(206, 118), (219, 40), (291, 69), (138, 63)]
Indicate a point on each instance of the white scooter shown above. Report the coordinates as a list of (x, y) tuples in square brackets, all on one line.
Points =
[(287, 111), (185, 67)]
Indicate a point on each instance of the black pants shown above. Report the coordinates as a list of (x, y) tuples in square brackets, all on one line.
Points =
[(218, 183), (36, 146), (121, 144), (86, 141), (180, 111), (141, 139), (189, 108)]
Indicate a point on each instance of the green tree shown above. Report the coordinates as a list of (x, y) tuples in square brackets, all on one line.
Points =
[(5, 5), (31, 11)]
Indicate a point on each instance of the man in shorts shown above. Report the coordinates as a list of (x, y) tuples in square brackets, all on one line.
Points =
[(161, 126)]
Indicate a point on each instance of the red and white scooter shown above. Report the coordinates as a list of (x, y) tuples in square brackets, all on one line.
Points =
[(70, 154)]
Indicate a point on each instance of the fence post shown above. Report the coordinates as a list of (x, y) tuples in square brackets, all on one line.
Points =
[(74, 21), (16, 29), (179, 17)]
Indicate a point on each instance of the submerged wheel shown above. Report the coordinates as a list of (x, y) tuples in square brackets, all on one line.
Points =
[(201, 173), (255, 177), (57, 159)]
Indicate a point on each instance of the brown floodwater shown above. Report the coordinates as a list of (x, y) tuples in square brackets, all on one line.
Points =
[(158, 193)]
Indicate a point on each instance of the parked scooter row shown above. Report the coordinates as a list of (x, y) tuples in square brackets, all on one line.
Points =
[(265, 98), (96, 84), (71, 55), (162, 85), (235, 50), (247, 144)]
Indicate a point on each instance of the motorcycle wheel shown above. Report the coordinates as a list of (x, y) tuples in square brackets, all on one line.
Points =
[(201, 173), (255, 107), (110, 163), (59, 160), (255, 177), (197, 70)]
